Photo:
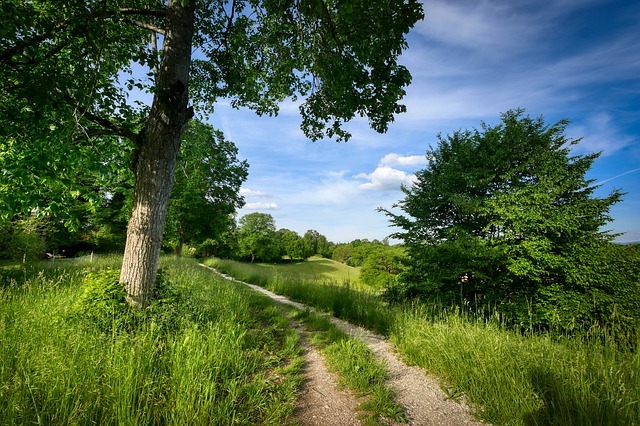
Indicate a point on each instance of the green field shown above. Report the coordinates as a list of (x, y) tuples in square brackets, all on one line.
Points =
[(314, 268), (213, 353), (210, 350)]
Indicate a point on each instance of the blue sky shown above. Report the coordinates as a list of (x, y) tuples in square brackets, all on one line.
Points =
[(470, 61)]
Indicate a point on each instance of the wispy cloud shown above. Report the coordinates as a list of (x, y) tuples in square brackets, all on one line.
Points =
[(247, 192), (260, 206), (600, 134), (616, 177), (333, 188), (392, 160), (485, 25)]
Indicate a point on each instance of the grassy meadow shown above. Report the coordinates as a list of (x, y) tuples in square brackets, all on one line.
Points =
[(207, 351), (210, 351), (313, 269), (350, 301), (511, 378), (216, 353)]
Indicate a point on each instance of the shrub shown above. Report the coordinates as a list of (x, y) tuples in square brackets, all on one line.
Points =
[(102, 304)]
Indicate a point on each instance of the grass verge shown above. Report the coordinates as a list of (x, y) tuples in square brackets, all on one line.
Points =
[(361, 307), (523, 379)]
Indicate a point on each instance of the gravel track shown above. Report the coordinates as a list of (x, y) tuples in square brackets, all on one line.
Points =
[(323, 404)]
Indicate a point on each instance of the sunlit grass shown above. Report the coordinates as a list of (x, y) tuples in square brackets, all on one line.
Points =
[(232, 360), (361, 307), (312, 269), (316, 267), (509, 378), (517, 379)]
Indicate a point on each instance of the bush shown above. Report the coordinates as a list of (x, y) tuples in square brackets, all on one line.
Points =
[(102, 304), (26, 241), (382, 266)]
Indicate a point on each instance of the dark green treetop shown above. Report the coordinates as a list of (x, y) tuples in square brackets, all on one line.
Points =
[(505, 213)]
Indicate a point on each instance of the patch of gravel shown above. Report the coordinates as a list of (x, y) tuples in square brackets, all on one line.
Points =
[(321, 403), (420, 394)]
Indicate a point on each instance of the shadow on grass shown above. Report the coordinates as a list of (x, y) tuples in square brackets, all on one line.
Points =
[(566, 405)]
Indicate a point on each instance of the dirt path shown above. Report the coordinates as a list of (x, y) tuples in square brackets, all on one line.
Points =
[(420, 394), (321, 403)]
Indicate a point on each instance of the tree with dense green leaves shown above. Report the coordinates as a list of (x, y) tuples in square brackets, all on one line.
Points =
[(64, 68), (382, 266), (325, 247), (355, 252), (311, 239), (291, 244), (504, 215), (257, 237), (205, 193)]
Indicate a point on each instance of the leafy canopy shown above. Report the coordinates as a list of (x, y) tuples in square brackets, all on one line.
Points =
[(205, 194), (257, 237), (67, 73)]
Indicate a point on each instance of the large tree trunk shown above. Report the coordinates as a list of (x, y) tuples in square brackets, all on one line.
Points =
[(155, 156)]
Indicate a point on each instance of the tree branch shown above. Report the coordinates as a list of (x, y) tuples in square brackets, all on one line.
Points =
[(145, 26), (32, 61), (332, 26), (7, 54), (22, 45), (109, 127), (144, 12)]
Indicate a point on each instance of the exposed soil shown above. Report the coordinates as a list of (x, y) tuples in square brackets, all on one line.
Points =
[(420, 394), (322, 403)]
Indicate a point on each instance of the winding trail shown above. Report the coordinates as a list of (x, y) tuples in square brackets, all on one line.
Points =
[(420, 394)]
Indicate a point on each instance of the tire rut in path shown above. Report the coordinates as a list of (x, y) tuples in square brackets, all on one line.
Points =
[(321, 403), (421, 395)]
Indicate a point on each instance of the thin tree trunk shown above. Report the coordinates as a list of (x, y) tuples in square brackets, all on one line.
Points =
[(155, 156), (180, 243)]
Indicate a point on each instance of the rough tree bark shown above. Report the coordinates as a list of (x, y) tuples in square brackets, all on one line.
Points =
[(155, 157)]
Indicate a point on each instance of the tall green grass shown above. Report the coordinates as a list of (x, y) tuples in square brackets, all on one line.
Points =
[(523, 379), (509, 377), (232, 360), (316, 268)]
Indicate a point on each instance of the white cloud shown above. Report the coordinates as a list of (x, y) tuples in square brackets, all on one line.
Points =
[(385, 178), (260, 206), (599, 133), (246, 192), (391, 160), (486, 25)]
